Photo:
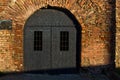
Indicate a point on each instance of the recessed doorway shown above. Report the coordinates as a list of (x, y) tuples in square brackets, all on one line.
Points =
[(50, 41)]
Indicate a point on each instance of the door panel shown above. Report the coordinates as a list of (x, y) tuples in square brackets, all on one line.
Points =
[(63, 59), (51, 56), (37, 59)]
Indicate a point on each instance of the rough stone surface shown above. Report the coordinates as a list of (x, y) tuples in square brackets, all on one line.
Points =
[(96, 17)]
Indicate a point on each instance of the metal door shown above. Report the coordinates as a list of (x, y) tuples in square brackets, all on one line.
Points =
[(50, 56), (56, 45), (64, 58), (37, 59)]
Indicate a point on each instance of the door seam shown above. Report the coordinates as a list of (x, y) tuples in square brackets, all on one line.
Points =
[(51, 48)]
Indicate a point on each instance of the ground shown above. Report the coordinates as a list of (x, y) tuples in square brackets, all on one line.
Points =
[(30, 76)]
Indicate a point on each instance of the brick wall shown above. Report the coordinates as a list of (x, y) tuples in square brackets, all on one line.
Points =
[(95, 17), (117, 34)]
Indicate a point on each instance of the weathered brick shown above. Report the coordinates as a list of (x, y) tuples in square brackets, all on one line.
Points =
[(95, 19)]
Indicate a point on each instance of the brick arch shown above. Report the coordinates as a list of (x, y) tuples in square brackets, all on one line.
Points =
[(91, 14), (19, 12)]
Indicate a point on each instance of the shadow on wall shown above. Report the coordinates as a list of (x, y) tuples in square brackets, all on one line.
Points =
[(91, 69), (117, 70), (113, 32), (101, 69)]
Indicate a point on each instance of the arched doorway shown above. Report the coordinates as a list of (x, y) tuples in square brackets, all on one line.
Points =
[(50, 41)]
